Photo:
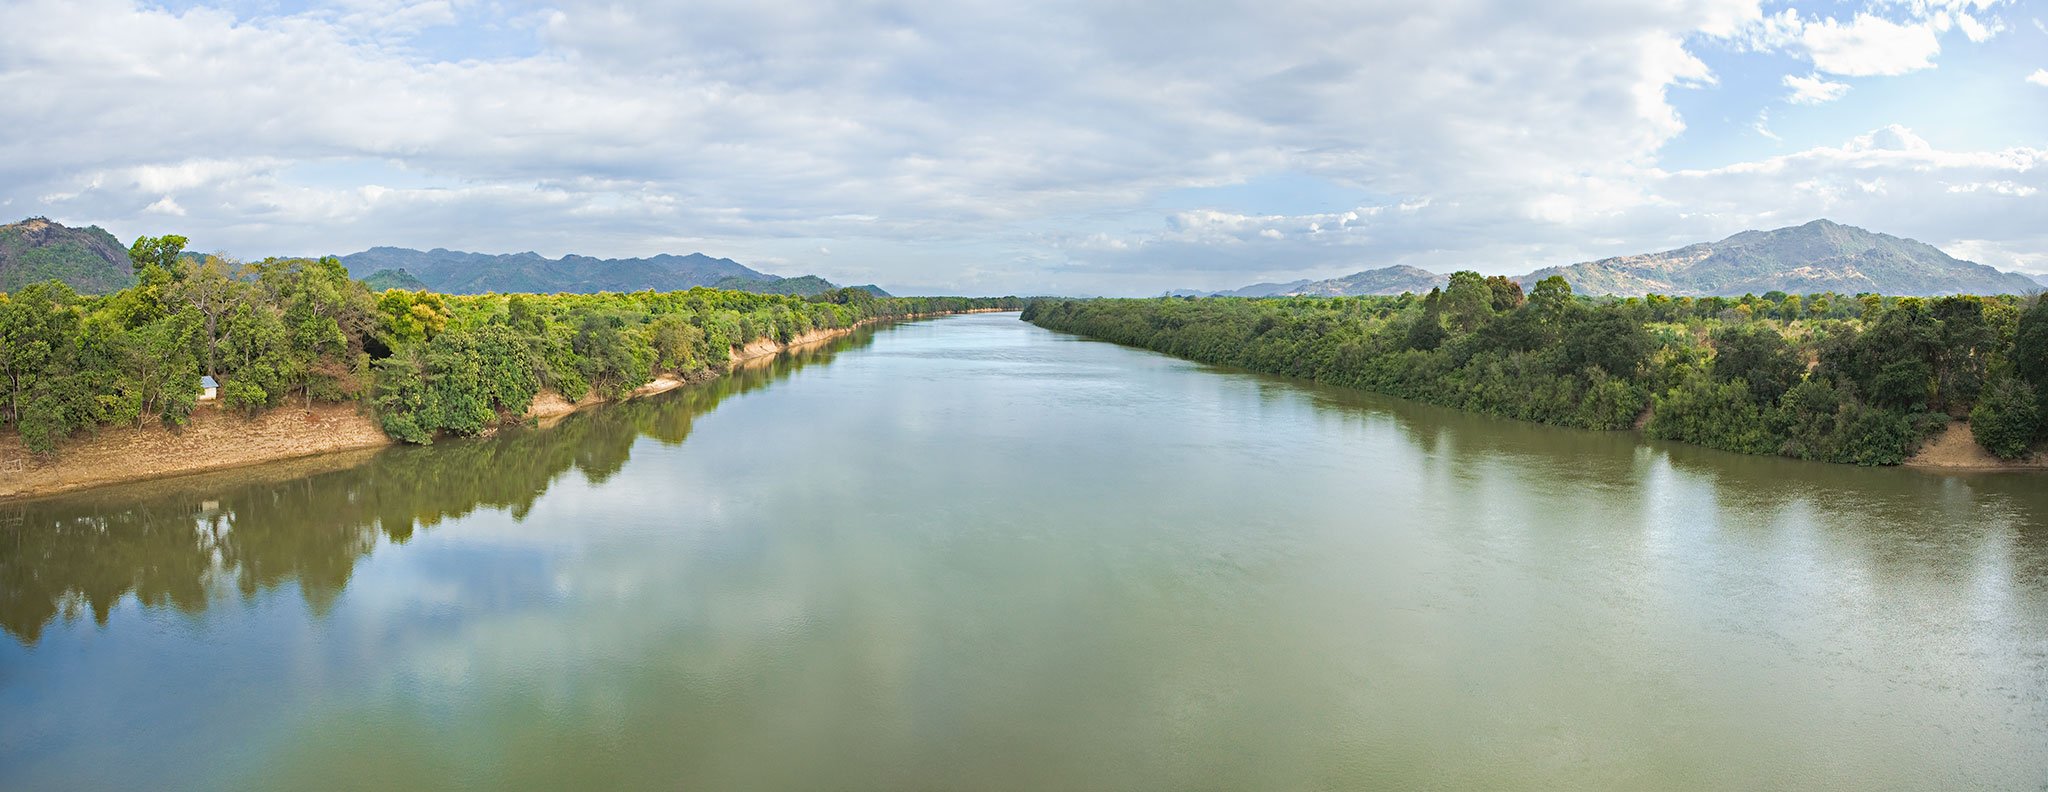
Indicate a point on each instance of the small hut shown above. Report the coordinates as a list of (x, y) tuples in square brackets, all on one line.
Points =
[(208, 388)]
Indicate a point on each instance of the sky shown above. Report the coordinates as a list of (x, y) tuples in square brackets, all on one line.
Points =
[(1096, 147)]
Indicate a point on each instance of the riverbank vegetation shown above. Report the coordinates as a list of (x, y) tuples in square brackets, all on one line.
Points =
[(1827, 377), (284, 330)]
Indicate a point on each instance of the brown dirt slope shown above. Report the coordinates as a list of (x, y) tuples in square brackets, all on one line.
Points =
[(215, 439), (1956, 449)]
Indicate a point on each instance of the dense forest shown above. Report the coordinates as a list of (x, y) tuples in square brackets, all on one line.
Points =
[(1861, 379), (300, 329)]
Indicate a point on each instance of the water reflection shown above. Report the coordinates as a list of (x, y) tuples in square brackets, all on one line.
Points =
[(181, 543)]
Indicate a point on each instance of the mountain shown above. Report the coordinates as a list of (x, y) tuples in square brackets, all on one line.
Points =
[(2042, 278), (801, 286), (89, 259), (456, 272), (385, 279), (1265, 289), (1386, 280), (1820, 256)]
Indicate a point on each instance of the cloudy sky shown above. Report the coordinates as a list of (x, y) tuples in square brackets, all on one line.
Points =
[(1094, 147)]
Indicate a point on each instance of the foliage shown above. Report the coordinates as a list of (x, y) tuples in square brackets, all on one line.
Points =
[(430, 364), (1822, 377), (2007, 419)]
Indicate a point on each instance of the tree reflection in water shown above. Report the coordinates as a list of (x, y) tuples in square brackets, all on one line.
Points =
[(181, 543)]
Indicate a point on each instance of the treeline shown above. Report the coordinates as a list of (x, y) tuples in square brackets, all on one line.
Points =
[(1861, 379), (301, 330)]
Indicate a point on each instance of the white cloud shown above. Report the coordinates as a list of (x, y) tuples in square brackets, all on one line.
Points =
[(2039, 77), (165, 206), (1891, 137), (1889, 179), (1869, 45), (1027, 139), (1813, 89), (1976, 30), (1762, 125)]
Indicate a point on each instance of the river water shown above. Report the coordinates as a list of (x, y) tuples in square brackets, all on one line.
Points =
[(971, 553)]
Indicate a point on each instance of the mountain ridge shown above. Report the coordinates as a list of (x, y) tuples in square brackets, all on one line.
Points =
[(1821, 255), (1818, 256)]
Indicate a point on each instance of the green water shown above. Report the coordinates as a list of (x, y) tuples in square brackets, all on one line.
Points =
[(970, 553)]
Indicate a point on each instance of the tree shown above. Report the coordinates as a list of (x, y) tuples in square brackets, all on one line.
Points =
[(38, 339), (407, 317), (1759, 356), (1506, 295), (212, 290), (1967, 345), (2029, 355), (1468, 302), (2006, 420), (1608, 339), (1427, 332), (1551, 299), (159, 252)]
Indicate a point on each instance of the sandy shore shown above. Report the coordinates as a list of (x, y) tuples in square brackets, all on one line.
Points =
[(215, 439), (218, 439), (1956, 449)]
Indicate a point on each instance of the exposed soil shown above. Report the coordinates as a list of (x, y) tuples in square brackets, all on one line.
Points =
[(215, 438), (1956, 449)]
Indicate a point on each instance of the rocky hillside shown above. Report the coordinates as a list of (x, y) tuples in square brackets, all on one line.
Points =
[(1264, 289), (1817, 257), (36, 249), (1386, 280)]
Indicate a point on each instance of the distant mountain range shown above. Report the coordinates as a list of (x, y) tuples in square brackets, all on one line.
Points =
[(36, 249), (1816, 257), (457, 272), (94, 262)]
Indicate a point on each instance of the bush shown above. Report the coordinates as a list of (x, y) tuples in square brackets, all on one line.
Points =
[(1716, 414), (2006, 418)]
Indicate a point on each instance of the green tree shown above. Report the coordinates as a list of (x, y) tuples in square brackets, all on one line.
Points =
[(2007, 419), (159, 252), (1760, 357), (1468, 302)]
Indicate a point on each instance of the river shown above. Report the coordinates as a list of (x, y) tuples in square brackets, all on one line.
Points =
[(972, 553)]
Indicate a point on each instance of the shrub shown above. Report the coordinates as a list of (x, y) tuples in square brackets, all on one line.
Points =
[(2006, 418)]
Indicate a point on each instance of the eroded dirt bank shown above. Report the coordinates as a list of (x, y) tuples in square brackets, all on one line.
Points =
[(217, 439), (1956, 449)]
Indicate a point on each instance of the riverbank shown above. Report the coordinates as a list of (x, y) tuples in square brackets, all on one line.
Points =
[(1553, 374), (1955, 448), (217, 439)]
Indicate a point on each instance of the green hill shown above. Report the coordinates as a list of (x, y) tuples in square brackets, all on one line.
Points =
[(91, 260), (801, 286), (385, 279)]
